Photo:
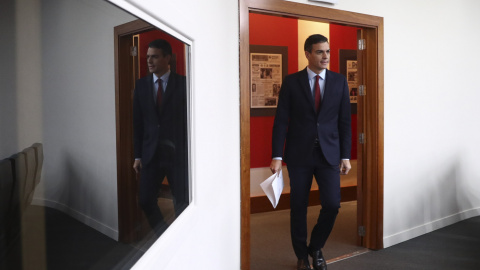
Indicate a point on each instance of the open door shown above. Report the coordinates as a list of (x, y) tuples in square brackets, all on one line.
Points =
[(370, 142), (360, 136)]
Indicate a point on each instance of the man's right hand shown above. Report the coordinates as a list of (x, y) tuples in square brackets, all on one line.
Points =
[(137, 165), (276, 165)]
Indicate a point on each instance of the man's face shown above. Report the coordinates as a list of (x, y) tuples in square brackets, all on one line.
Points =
[(157, 63), (319, 57)]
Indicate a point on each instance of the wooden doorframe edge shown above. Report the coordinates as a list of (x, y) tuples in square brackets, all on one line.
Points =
[(380, 134), (119, 31), (375, 145), (244, 138), (284, 8)]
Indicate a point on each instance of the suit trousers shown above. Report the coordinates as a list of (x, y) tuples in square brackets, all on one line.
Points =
[(150, 181), (152, 175), (328, 180)]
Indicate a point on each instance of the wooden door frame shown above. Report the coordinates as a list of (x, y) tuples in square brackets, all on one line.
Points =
[(372, 170), (128, 210)]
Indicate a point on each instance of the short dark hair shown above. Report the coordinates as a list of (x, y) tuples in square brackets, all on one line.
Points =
[(314, 39), (162, 45)]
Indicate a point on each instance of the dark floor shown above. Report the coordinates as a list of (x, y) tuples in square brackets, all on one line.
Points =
[(53, 240), (61, 242), (454, 247), (85, 248)]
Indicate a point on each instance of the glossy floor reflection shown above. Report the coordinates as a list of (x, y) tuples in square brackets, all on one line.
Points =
[(52, 240)]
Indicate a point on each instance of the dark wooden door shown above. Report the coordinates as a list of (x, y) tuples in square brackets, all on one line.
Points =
[(131, 221)]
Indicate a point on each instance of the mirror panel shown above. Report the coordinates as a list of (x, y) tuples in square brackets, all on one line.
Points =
[(69, 82)]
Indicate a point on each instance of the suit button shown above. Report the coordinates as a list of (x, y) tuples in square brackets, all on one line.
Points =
[(318, 124), (158, 126)]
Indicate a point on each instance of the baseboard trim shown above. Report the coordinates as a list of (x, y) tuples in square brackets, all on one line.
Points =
[(262, 203), (95, 224), (429, 227)]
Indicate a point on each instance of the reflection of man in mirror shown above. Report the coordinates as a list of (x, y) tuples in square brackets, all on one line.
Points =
[(159, 132)]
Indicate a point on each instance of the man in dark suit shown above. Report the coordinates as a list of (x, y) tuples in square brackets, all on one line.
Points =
[(159, 132), (312, 133)]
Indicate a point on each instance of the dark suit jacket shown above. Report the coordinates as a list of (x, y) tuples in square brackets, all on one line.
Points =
[(297, 125), (167, 128)]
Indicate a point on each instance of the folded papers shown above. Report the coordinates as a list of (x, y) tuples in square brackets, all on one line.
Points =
[(273, 187)]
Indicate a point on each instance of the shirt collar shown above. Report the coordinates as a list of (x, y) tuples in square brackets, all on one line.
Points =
[(312, 74), (164, 77)]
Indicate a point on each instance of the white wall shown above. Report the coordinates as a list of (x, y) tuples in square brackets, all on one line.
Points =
[(431, 111), (207, 234), (57, 88), (431, 177), (78, 96)]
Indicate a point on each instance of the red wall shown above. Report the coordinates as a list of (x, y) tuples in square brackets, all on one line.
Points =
[(279, 31), (341, 37), (276, 31), (273, 31), (178, 48)]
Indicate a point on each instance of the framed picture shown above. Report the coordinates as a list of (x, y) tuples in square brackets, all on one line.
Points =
[(348, 67), (268, 67), (265, 79), (352, 80)]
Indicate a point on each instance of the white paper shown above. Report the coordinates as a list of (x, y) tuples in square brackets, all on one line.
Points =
[(273, 187)]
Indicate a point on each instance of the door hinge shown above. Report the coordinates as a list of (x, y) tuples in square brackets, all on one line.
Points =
[(133, 51), (361, 231), (361, 90), (361, 44), (361, 138)]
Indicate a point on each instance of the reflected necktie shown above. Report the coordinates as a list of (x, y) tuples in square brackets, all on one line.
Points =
[(318, 96), (159, 93)]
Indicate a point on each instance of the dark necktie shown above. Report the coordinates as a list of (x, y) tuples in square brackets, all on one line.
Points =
[(159, 93), (318, 96)]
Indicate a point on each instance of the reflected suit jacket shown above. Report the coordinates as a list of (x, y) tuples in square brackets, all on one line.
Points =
[(297, 125), (167, 128)]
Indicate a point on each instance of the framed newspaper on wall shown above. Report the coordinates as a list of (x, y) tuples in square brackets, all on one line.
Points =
[(265, 79), (348, 67), (268, 65)]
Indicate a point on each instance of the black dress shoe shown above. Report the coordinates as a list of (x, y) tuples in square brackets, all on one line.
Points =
[(318, 261), (303, 264)]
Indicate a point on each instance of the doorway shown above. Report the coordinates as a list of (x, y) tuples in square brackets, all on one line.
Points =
[(370, 122), (130, 219)]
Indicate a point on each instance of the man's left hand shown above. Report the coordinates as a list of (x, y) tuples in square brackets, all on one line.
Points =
[(345, 166)]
